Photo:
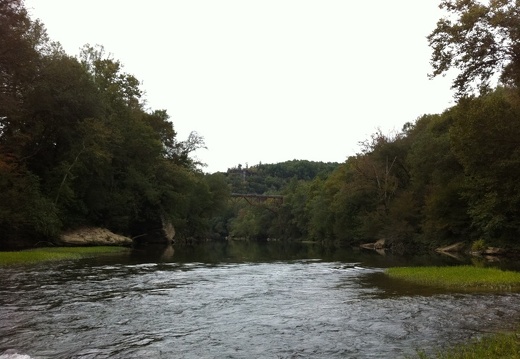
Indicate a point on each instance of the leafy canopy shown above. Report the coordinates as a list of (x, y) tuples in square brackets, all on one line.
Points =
[(482, 40)]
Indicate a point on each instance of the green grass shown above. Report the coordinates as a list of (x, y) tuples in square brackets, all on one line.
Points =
[(492, 347), (54, 254), (458, 277)]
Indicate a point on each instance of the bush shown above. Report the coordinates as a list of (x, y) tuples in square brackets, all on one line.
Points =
[(478, 246)]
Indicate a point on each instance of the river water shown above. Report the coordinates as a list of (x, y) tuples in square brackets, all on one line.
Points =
[(237, 300)]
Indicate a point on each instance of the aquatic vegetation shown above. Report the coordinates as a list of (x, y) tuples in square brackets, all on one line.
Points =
[(54, 254), (503, 345), (458, 277)]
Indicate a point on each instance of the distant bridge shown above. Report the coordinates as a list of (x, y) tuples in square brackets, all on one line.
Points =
[(255, 199)]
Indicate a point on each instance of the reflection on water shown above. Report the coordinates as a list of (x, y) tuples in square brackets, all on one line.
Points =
[(237, 300), (247, 251)]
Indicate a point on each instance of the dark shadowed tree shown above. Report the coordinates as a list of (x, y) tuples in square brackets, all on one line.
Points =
[(486, 141), (437, 181)]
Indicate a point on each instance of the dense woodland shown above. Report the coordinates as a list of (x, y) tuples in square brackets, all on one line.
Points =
[(78, 147), (442, 179)]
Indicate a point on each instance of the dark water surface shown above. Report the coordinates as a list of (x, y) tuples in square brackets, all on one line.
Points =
[(237, 300)]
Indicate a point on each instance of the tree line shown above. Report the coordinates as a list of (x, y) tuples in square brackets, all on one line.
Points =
[(444, 177), (79, 147)]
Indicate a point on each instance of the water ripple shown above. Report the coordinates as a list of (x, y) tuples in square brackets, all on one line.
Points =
[(295, 309)]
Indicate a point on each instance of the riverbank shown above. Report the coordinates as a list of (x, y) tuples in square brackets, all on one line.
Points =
[(31, 256), (459, 277), (468, 278), (498, 346)]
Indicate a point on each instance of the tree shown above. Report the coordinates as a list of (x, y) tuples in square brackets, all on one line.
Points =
[(61, 97), (24, 211), (19, 57), (184, 149), (437, 181), (486, 141), (482, 41), (20, 40), (77, 146)]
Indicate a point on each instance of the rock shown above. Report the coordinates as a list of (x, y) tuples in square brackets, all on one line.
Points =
[(492, 258), (157, 231), (168, 229), (457, 247), (368, 245), (378, 245), (493, 251), (94, 236)]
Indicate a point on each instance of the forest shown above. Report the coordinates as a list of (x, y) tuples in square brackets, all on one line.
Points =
[(79, 147), (442, 179)]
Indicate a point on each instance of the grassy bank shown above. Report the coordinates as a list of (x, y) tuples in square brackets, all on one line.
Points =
[(54, 254), (459, 277), (492, 347), (504, 345)]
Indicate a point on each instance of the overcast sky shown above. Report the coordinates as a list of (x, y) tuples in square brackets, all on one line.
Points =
[(266, 80)]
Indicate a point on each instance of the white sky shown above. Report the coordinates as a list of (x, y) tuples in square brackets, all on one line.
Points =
[(266, 80)]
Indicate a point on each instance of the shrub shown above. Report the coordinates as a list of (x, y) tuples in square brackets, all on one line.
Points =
[(478, 246)]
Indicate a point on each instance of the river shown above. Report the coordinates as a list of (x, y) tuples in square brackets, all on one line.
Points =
[(237, 300)]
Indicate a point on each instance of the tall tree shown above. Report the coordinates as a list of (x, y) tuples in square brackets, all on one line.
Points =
[(19, 41), (437, 180), (486, 140), (479, 39), (25, 212)]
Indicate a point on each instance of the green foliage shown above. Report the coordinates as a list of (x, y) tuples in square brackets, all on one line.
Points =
[(299, 181), (444, 178), (25, 211), (485, 141), (437, 180), (478, 246), (481, 40), (272, 178), (20, 42), (77, 146), (501, 345)]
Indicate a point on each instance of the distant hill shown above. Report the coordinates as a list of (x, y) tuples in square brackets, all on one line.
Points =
[(272, 178)]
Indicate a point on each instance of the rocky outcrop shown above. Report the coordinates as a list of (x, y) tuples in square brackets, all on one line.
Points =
[(167, 229), (159, 231), (380, 244), (94, 236), (453, 248), (491, 254), (494, 251), (460, 248)]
